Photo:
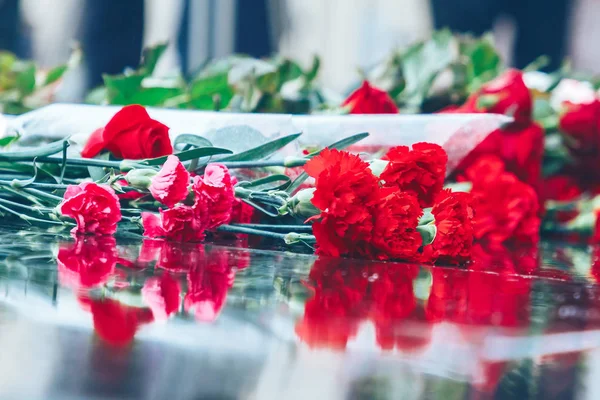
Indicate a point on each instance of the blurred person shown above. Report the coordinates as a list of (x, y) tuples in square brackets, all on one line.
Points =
[(541, 25)]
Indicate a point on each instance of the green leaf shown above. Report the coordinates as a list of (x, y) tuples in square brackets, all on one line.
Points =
[(203, 90), (266, 180), (427, 233), (314, 69), (192, 140), (187, 155), (29, 155), (97, 96), (55, 74), (25, 80), (154, 96), (121, 87), (422, 63), (264, 150), (150, 57), (5, 141)]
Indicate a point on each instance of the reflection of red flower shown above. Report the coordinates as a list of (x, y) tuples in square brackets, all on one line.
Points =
[(561, 188), (161, 294), (370, 100), (420, 171), (176, 257), (95, 208), (180, 223), (88, 262), (208, 283), (453, 214), (132, 134), (170, 185), (114, 322)]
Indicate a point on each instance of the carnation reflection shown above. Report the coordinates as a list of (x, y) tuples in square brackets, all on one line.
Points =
[(124, 293), (347, 294)]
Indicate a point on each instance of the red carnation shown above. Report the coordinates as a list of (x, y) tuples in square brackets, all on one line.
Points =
[(394, 226), (561, 188), (132, 134), (241, 212), (507, 209), (170, 185), (345, 185), (596, 236), (420, 172), (346, 189), (95, 208), (88, 262), (214, 195), (370, 100), (453, 241), (180, 223)]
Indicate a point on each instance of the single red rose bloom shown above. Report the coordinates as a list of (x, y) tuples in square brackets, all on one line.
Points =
[(95, 208), (131, 134), (506, 94), (370, 100), (580, 123), (453, 212), (180, 223), (170, 185), (420, 172), (88, 262), (214, 195)]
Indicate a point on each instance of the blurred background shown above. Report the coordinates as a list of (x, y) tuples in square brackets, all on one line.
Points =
[(347, 34)]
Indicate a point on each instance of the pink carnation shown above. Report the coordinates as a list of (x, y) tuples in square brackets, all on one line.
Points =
[(214, 195), (95, 208), (170, 185)]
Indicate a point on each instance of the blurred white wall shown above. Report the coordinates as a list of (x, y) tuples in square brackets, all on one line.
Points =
[(351, 34)]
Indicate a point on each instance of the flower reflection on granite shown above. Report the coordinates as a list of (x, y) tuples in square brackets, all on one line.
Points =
[(89, 261), (162, 295), (114, 322)]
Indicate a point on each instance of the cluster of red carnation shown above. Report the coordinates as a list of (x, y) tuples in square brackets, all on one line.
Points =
[(376, 217)]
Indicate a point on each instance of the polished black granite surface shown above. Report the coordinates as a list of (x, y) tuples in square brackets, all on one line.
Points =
[(105, 318)]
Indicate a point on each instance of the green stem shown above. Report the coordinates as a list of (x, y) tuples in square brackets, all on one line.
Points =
[(28, 218), (276, 228), (250, 231), (39, 185), (42, 194), (26, 207), (83, 162)]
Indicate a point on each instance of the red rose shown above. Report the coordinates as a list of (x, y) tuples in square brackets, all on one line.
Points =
[(420, 172), (506, 208), (453, 214), (117, 323), (131, 134), (95, 208), (506, 94), (214, 195), (180, 223), (170, 185), (580, 123), (394, 227), (520, 148), (370, 100), (88, 262), (162, 295)]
